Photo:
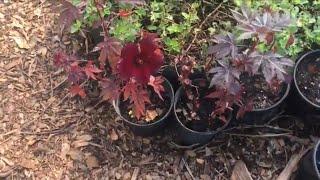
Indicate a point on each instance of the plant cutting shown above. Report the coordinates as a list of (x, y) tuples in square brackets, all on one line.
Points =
[(310, 165), (246, 74), (125, 73), (306, 94)]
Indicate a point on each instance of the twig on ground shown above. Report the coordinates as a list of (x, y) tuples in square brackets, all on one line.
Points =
[(259, 135), (240, 172), (135, 173), (188, 168), (7, 173), (292, 165), (56, 131)]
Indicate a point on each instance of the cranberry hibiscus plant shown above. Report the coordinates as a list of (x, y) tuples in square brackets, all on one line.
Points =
[(249, 52), (124, 71)]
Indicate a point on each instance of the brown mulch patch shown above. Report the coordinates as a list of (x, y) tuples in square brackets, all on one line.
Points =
[(46, 134)]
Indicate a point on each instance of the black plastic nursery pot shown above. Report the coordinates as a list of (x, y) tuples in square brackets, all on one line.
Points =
[(149, 129), (188, 137), (299, 104), (262, 116), (309, 168)]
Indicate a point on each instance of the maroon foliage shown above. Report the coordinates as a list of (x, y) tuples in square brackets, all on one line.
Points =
[(142, 59), (110, 89), (138, 96), (157, 84), (110, 50), (91, 70)]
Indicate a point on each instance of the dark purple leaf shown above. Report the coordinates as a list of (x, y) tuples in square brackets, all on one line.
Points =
[(262, 25), (226, 76), (225, 46), (272, 65)]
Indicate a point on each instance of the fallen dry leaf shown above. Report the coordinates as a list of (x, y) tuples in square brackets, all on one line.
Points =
[(21, 42), (240, 172), (28, 163), (65, 148), (92, 162), (200, 161), (190, 153), (80, 143), (75, 154), (151, 115), (42, 51), (85, 137), (113, 135)]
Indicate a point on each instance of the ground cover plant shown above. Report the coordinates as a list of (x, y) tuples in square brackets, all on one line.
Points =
[(306, 15)]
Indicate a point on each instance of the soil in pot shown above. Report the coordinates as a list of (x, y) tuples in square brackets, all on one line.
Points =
[(198, 119), (259, 92), (308, 79), (154, 111)]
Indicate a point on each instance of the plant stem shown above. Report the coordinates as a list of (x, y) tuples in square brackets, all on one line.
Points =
[(101, 19)]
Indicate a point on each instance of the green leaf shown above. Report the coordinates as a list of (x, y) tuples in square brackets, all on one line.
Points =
[(172, 45), (76, 26), (175, 28)]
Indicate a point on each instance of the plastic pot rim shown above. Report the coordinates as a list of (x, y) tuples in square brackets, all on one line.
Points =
[(314, 158), (176, 98), (115, 104), (284, 96), (295, 79)]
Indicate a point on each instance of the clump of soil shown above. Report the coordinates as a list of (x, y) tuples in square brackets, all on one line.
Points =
[(259, 92), (198, 119), (308, 79), (158, 105)]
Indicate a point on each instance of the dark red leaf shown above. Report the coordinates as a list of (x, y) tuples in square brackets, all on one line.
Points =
[(110, 90), (91, 70), (157, 84), (76, 74), (138, 96), (110, 49), (77, 90), (124, 13), (244, 109), (142, 59), (290, 41)]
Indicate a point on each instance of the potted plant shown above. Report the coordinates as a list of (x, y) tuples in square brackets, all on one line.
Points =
[(310, 165), (247, 74), (306, 89), (249, 61), (125, 71)]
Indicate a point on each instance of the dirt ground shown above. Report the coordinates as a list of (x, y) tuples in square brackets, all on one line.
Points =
[(45, 134)]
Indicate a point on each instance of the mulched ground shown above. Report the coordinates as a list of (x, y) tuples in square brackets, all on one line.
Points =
[(45, 134)]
